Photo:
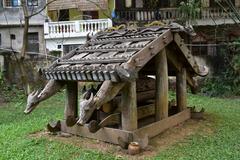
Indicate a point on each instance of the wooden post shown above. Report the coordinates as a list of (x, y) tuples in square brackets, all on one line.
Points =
[(129, 106), (161, 99), (71, 103), (181, 90)]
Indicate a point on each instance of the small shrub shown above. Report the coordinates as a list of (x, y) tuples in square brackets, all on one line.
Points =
[(225, 81)]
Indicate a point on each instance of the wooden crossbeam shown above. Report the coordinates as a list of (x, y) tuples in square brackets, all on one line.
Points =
[(176, 62), (147, 53), (154, 129)]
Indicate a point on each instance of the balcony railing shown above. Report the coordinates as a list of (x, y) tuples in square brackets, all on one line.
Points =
[(80, 28), (170, 14)]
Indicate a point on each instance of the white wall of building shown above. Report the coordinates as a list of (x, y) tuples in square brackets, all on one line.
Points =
[(16, 44), (54, 44)]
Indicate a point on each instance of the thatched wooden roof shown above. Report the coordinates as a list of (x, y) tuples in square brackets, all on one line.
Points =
[(122, 54)]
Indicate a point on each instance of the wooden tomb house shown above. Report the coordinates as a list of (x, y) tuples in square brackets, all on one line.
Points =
[(129, 106)]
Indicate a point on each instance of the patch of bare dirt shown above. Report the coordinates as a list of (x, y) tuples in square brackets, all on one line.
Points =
[(157, 144)]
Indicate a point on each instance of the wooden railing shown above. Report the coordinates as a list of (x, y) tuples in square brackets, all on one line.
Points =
[(78, 28), (169, 14)]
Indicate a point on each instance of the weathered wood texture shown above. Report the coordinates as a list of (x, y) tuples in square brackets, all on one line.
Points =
[(181, 89), (161, 102), (107, 92), (129, 107), (140, 135), (145, 111), (160, 126), (105, 134), (190, 60), (140, 60), (177, 63), (71, 103)]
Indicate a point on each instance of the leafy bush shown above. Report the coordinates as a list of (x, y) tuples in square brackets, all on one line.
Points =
[(55, 53), (190, 11), (10, 93), (226, 80)]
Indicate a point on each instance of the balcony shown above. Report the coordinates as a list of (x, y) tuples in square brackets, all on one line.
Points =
[(207, 16), (74, 29)]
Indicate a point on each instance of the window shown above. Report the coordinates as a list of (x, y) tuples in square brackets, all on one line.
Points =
[(32, 2), (63, 15), (12, 3), (90, 15), (120, 5), (33, 42), (68, 48)]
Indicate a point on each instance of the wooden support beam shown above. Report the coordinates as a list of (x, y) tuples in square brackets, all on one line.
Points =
[(174, 60), (129, 106), (181, 89), (141, 135), (151, 50), (161, 102), (106, 134), (70, 112), (115, 118), (156, 128)]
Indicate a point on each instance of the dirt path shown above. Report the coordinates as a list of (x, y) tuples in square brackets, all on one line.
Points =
[(157, 144)]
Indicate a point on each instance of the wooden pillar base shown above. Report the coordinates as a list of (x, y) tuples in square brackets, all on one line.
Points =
[(122, 137)]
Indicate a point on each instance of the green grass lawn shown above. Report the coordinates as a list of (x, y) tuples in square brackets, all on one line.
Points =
[(15, 128)]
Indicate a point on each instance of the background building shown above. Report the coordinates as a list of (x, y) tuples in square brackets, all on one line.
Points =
[(215, 25), (70, 21), (12, 24)]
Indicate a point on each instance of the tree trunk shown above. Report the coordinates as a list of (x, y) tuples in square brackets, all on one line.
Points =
[(24, 77), (25, 38)]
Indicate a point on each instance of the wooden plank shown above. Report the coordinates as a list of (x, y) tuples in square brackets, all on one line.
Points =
[(105, 134), (188, 56), (161, 97), (108, 49), (160, 126), (129, 106), (70, 112), (174, 60), (147, 53), (94, 61), (181, 87), (120, 39), (145, 111)]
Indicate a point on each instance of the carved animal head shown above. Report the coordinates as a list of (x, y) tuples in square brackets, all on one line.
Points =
[(32, 101), (86, 109), (190, 30)]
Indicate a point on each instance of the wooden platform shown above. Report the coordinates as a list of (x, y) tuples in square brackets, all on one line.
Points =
[(141, 135)]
